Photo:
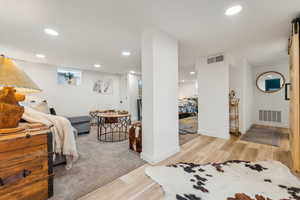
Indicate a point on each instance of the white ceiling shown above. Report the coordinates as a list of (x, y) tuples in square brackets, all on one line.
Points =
[(96, 31)]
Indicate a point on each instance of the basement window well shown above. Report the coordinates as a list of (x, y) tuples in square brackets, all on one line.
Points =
[(68, 77)]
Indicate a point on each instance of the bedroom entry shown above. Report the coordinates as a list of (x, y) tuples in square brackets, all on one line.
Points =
[(293, 94), (188, 107)]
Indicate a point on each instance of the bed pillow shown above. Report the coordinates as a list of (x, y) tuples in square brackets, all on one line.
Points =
[(42, 107), (37, 104)]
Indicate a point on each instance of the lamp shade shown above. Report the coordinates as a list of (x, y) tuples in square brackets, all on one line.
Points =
[(12, 76)]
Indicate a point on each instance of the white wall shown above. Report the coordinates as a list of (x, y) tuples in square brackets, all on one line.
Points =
[(133, 92), (248, 96), (213, 90), (129, 93), (271, 101), (160, 96), (124, 101), (188, 89), (241, 81), (72, 100)]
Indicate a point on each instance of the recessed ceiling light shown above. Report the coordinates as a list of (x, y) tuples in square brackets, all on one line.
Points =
[(132, 72), (126, 53), (182, 81), (40, 55), (233, 10), (97, 65), (192, 73), (51, 32)]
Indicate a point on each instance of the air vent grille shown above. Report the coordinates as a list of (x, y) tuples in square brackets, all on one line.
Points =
[(215, 59), (270, 116)]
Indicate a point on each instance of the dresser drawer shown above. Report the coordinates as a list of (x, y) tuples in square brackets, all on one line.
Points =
[(18, 156), (26, 166), (34, 191), (22, 142), (14, 177)]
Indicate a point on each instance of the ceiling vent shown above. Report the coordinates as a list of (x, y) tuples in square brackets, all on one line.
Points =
[(215, 59)]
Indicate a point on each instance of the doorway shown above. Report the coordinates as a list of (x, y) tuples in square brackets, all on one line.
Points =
[(188, 111)]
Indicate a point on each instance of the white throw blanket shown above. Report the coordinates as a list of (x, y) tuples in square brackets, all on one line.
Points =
[(63, 137)]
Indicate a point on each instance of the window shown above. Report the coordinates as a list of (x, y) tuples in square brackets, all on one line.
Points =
[(68, 77)]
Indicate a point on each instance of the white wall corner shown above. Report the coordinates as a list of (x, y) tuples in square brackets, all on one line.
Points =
[(213, 134), (154, 159)]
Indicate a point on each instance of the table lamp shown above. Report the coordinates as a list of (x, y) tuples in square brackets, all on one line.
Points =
[(14, 84)]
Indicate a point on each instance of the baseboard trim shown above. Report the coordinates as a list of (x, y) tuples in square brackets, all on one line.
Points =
[(153, 159), (212, 134)]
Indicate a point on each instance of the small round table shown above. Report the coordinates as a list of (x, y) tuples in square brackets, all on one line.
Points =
[(112, 127)]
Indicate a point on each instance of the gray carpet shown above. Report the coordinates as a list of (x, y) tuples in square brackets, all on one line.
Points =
[(99, 164), (269, 136)]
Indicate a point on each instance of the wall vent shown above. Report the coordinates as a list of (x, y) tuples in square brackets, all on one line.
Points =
[(215, 59), (270, 116)]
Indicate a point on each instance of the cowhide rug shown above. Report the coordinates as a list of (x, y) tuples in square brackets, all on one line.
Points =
[(231, 180)]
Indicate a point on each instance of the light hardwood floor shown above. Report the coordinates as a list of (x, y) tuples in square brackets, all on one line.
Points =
[(137, 186)]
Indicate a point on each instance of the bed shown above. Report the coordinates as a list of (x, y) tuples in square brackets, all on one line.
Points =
[(187, 107)]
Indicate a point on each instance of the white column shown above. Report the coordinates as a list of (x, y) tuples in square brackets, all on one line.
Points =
[(160, 96)]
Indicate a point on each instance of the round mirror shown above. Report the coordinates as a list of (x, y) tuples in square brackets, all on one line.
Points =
[(269, 82)]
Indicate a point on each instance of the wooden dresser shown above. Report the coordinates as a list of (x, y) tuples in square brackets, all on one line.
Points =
[(26, 165)]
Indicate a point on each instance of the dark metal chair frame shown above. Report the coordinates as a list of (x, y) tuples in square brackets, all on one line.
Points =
[(108, 127)]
